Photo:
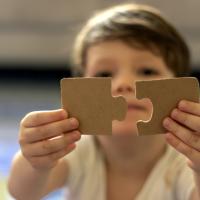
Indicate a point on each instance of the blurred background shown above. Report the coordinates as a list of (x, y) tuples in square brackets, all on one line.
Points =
[(35, 44)]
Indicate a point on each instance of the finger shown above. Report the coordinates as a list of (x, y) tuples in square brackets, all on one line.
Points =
[(50, 159), (186, 135), (47, 131), (52, 145), (188, 120), (192, 154), (189, 107), (38, 118)]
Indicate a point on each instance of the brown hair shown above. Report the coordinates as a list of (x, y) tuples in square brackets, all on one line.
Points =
[(139, 25)]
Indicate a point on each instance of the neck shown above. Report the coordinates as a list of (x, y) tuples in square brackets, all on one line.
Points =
[(132, 154)]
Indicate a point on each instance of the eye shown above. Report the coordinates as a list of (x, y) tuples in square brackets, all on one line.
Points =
[(148, 72), (103, 74)]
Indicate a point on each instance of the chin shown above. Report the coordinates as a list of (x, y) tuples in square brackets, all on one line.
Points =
[(124, 128)]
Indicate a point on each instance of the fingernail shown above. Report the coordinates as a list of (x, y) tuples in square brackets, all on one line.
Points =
[(74, 122), (182, 104), (64, 113), (168, 136), (76, 135), (174, 113), (166, 122)]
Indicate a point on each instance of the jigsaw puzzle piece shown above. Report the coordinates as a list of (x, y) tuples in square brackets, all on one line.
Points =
[(164, 95), (90, 101)]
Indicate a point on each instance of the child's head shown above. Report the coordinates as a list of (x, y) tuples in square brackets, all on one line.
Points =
[(130, 43), (138, 26)]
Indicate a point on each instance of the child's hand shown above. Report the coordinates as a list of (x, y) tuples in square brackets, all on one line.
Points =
[(184, 131), (47, 136)]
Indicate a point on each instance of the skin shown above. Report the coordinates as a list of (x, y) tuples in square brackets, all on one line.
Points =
[(46, 137)]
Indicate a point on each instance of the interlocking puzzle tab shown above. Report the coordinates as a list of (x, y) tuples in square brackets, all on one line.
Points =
[(90, 101), (164, 95)]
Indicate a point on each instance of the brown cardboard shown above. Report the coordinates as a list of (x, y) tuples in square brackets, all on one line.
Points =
[(164, 95), (90, 101)]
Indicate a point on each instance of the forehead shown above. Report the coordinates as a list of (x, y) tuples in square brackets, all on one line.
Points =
[(117, 54), (119, 50)]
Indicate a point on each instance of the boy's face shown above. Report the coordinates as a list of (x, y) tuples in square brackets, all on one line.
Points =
[(126, 65)]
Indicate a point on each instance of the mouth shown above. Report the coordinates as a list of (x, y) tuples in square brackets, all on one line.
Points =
[(135, 107)]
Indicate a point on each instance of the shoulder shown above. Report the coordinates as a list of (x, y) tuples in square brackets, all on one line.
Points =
[(178, 175), (171, 178)]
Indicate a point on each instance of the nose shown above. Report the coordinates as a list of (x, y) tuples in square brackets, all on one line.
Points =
[(124, 84), (125, 88)]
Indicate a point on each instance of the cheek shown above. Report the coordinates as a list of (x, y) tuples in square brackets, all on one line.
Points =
[(149, 107)]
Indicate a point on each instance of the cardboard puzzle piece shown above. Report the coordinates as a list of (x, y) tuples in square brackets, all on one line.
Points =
[(164, 95), (90, 101)]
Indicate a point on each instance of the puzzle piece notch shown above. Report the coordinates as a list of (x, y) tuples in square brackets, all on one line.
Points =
[(90, 101), (164, 95)]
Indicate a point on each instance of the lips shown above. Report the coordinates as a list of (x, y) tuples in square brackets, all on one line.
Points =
[(135, 106)]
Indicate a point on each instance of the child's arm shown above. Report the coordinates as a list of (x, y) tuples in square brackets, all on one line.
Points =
[(184, 135), (45, 137)]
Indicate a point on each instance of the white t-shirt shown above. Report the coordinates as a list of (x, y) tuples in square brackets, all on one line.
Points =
[(170, 179)]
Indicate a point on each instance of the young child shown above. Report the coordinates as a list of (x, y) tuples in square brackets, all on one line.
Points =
[(129, 43)]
